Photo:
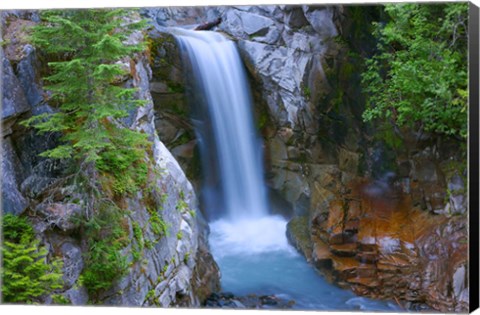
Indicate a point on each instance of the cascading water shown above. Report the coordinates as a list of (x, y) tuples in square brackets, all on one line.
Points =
[(249, 245), (217, 67)]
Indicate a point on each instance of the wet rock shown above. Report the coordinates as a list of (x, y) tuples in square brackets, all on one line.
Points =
[(228, 300), (298, 235), (268, 300)]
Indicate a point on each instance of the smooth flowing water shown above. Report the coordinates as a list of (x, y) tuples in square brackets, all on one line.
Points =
[(249, 245)]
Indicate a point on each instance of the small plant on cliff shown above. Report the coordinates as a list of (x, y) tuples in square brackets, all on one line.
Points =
[(26, 273), (418, 76), (86, 88)]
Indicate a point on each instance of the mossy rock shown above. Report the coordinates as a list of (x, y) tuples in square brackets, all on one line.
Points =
[(298, 235)]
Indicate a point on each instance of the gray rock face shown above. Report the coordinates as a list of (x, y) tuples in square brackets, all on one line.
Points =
[(14, 100), (77, 296), (60, 215), (12, 200), (322, 20), (27, 76), (168, 266), (164, 277), (280, 57)]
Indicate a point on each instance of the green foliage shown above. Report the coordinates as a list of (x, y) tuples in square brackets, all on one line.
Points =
[(418, 76), (140, 242), (159, 227), (192, 213), (85, 84), (186, 258), (182, 205), (26, 273), (60, 299), (306, 91), (107, 235)]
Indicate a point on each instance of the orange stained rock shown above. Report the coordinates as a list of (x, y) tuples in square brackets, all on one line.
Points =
[(321, 250), (336, 216), (388, 216), (345, 263), (368, 282)]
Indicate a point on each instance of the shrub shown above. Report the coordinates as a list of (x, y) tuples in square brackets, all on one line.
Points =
[(418, 75), (26, 272)]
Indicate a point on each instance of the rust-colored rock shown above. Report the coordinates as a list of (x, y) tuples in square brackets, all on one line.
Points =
[(386, 246), (345, 250)]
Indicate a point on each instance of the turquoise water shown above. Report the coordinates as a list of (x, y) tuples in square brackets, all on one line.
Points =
[(255, 258)]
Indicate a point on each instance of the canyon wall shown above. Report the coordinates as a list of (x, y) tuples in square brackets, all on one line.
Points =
[(164, 269)]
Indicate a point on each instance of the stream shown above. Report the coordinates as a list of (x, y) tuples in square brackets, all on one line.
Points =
[(255, 258)]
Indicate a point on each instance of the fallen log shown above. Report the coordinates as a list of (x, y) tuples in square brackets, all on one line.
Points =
[(208, 25)]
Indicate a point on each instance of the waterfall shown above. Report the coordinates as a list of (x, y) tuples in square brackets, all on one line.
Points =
[(222, 106), (249, 245)]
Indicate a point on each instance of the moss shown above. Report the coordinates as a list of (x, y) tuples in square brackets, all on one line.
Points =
[(174, 87), (149, 244), (306, 91), (183, 139), (182, 205), (185, 259), (60, 299), (299, 233), (140, 242), (159, 227)]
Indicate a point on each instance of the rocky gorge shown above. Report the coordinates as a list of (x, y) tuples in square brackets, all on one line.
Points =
[(386, 221)]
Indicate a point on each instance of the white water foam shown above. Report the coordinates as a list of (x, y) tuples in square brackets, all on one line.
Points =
[(249, 237)]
